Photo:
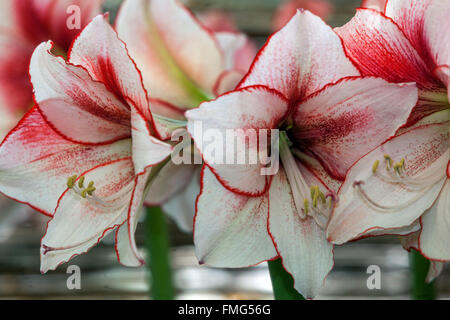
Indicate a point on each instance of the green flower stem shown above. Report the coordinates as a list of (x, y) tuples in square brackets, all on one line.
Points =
[(282, 282), (158, 252), (420, 290)]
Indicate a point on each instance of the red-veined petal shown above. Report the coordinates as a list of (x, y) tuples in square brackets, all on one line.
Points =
[(80, 223), (301, 58), (383, 204), (230, 229), (78, 107), (301, 243), (35, 162), (345, 121), (247, 110)]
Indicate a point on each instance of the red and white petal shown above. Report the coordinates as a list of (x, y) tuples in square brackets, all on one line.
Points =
[(181, 206), (433, 241), (243, 112), (437, 32), (147, 150), (169, 181), (161, 110), (301, 243), (80, 223), (68, 18), (99, 50), (228, 81), (6, 15), (126, 248), (15, 88), (392, 205), (239, 51), (410, 241), (426, 24), (380, 48), (374, 4), (301, 58), (193, 47), (230, 229), (61, 21), (174, 53), (345, 121), (78, 107), (317, 170), (230, 43), (435, 269), (35, 162), (403, 232)]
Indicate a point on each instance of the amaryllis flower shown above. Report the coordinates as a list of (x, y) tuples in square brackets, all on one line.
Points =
[(183, 64), (287, 9), (413, 173), (302, 84), (24, 24), (408, 42), (87, 148), (389, 189)]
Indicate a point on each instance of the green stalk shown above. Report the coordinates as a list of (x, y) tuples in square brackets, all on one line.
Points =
[(158, 252), (282, 282), (420, 290)]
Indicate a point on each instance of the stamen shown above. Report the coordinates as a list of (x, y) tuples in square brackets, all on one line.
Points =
[(381, 208), (319, 210)]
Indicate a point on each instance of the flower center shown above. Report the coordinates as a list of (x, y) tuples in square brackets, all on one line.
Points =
[(309, 200), (395, 174)]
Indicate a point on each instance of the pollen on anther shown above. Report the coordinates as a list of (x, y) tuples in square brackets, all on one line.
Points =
[(375, 166), (81, 182)]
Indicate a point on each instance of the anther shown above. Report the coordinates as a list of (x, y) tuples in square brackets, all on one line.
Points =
[(375, 166), (71, 181), (306, 205), (81, 182)]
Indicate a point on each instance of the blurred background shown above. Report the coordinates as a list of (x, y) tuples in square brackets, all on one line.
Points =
[(102, 277)]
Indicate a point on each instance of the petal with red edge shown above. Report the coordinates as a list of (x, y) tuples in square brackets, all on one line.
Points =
[(78, 107), (301, 58), (433, 241), (380, 48), (35, 162), (126, 248), (170, 180), (230, 229), (99, 50), (301, 243), (147, 150), (80, 223), (162, 110), (181, 207), (146, 26), (227, 81), (345, 121), (434, 270), (245, 111), (369, 201)]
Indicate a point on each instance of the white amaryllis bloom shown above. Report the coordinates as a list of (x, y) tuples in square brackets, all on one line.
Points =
[(87, 148), (182, 64), (407, 40), (303, 84), (391, 187)]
